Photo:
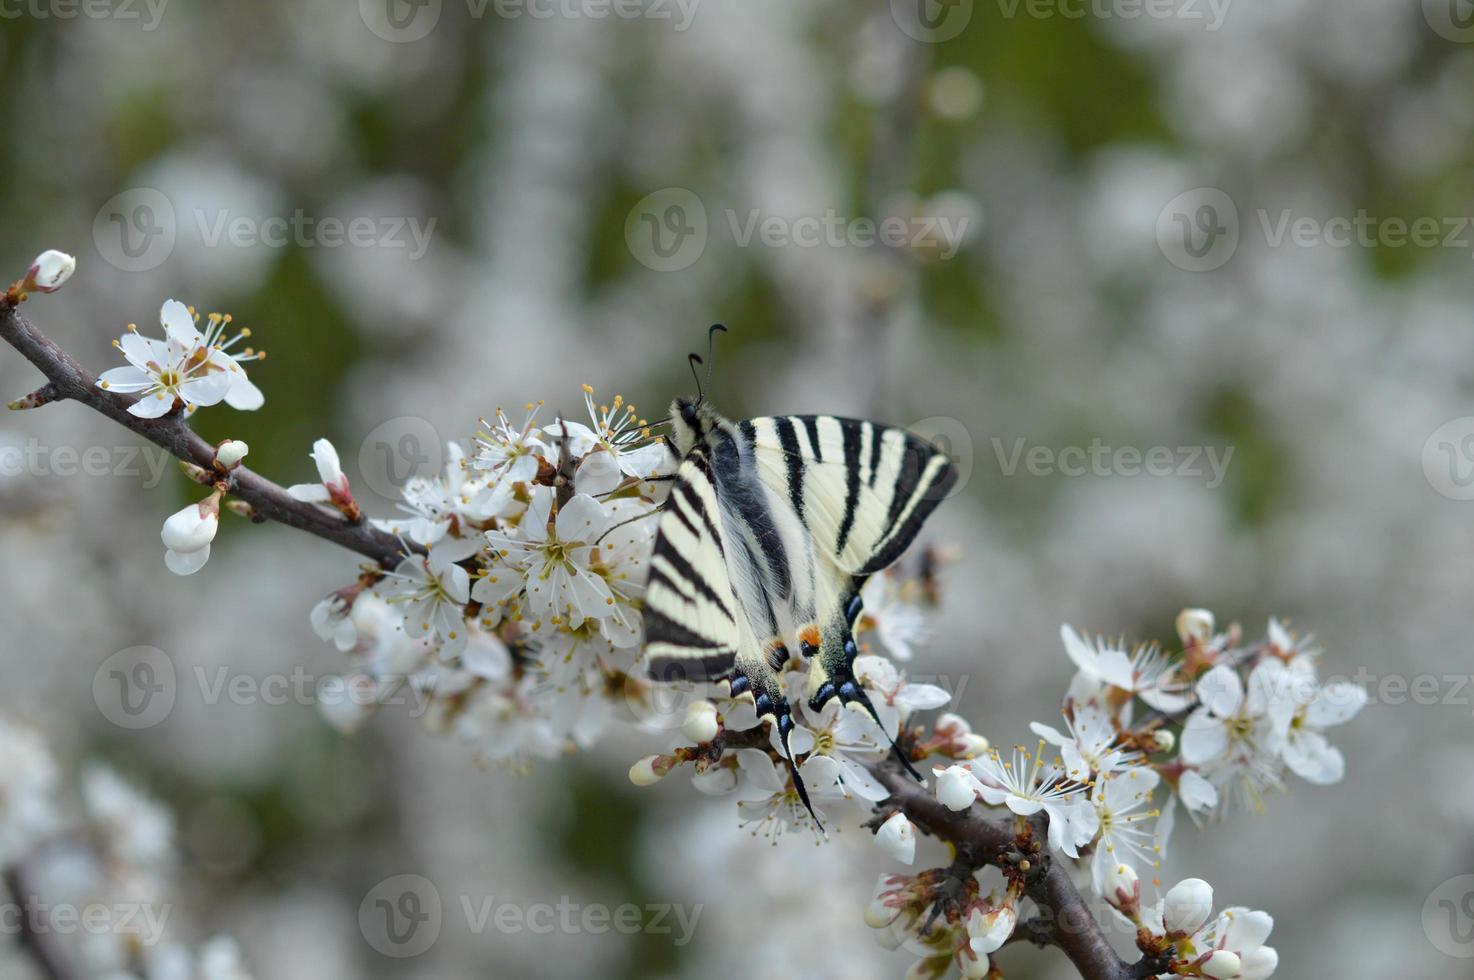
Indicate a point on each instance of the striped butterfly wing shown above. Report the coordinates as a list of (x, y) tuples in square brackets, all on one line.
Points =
[(696, 625), (862, 490), (692, 630)]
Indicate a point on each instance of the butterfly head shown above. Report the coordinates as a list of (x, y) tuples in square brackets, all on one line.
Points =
[(691, 422)]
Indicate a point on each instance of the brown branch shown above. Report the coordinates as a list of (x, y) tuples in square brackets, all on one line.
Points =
[(68, 380), (1074, 930)]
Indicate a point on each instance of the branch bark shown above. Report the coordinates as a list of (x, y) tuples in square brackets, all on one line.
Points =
[(1076, 932), (67, 380)]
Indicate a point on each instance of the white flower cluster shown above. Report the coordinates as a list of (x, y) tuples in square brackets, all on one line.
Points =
[(116, 856), (515, 613), (1222, 724)]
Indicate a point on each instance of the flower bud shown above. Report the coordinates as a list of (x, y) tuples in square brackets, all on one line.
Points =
[(1195, 625), (329, 469), (49, 271), (650, 770), (974, 965), (1187, 905), (1121, 879), (955, 787), (987, 931), (1260, 964), (951, 725), (878, 915), (1221, 964), (230, 453), (700, 724), (971, 745), (193, 527), (1164, 740), (897, 838)]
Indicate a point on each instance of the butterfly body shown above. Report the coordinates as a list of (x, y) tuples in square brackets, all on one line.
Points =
[(771, 529)]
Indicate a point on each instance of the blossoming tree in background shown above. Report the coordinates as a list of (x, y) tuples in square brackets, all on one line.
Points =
[(508, 593)]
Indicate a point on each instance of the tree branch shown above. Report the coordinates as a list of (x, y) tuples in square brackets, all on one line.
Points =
[(1075, 930), (68, 380)]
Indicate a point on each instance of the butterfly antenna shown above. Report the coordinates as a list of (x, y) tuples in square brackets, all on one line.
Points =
[(695, 359), (711, 335)]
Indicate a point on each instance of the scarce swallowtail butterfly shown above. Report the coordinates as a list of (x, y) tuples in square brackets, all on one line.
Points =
[(770, 531)]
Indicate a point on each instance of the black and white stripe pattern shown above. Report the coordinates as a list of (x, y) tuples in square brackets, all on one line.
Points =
[(862, 490)]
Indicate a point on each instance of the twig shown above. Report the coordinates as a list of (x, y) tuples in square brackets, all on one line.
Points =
[(1074, 930), (68, 380)]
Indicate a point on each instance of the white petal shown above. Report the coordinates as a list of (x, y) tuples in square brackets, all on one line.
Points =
[(581, 519), (1336, 704), (1221, 691), (310, 493), (126, 379), (179, 325), (243, 394), (186, 563), (152, 406), (898, 838), (1204, 738)]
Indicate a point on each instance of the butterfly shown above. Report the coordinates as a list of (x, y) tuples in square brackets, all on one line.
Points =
[(769, 533)]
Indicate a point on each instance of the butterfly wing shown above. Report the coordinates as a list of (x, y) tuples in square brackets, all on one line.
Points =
[(862, 491), (692, 625), (696, 626)]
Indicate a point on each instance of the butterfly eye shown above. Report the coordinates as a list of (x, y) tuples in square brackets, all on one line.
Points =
[(688, 413)]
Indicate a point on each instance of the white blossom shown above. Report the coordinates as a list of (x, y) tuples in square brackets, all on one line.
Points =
[(193, 368), (187, 534)]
